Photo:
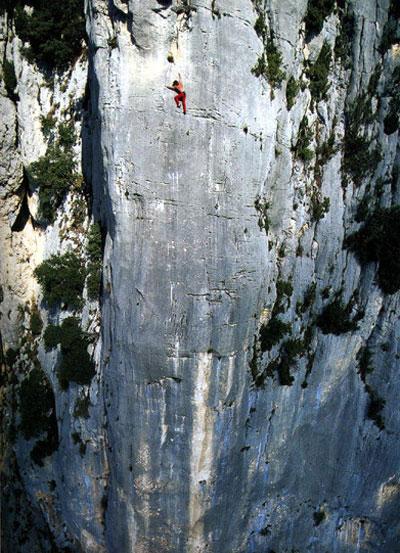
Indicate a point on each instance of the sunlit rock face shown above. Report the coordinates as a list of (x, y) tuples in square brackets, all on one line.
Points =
[(233, 408)]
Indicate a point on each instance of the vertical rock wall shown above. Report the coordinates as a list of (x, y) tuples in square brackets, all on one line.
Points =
[(198, 439)]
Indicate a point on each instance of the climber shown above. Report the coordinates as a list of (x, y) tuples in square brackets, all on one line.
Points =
[(177, 86)]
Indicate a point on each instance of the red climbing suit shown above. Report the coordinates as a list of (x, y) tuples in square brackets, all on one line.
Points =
[(180, 97)]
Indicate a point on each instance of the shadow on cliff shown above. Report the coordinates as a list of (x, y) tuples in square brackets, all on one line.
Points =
[(92, 156)]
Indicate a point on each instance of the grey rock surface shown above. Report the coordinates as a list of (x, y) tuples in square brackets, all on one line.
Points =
[(186, 451)]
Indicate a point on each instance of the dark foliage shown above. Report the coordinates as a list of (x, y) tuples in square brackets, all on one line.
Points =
[(292, 89), (48, 126), (8, 6), (379, 241), (36, 322), (364, 358), (52, 336), (54, 174), (274, 73), (318, 74), (269, 63), (290, 350), (375, 407), (317, 12), (394, 9), (391, 31), (319, 207), (38, 416), (55, 31), (344, 40), (10, 80), (11, 357), (62, 278), (76, 364), (359, 161), (363, 208), (391, 122), (283, 288), (327, 149), (304, 138), (335, 319), (309, 298), (272, 333)]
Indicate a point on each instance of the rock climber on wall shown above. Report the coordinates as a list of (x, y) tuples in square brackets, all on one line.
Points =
[(177, 86)]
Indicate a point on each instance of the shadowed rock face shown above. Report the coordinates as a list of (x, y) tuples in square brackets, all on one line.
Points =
[(198, 440)]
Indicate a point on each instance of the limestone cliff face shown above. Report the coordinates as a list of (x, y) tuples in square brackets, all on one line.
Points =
[(224, 416)]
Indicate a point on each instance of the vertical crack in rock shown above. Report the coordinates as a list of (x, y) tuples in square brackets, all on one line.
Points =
[(201, 452)]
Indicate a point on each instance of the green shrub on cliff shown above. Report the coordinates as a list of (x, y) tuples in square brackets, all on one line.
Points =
[(335, 319), (54, 174), (304, 139), (38, 416), (359, 159), (9, 78), (62, 278), (269, 64), (318, 73), (51, 336), (378, 241), (317, 12), (292, 89), (36, 322), (54, 30), (76, 364)]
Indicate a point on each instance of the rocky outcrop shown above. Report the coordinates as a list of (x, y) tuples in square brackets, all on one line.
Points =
[(247, 365)]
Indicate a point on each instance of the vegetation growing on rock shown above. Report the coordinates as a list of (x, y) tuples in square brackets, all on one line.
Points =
[(269, 64), (272, 332), (319, 207), (62, 278), (378, 241), (9, 78), (317, 12), (304, 139), (36, 322), (375, 407), (292, 89), (54, 173), (344, 40), (359, 160), (54, 30), (51, 336), (76, 364), (391, 30), (37, 410), (335, 318), (318, 73)]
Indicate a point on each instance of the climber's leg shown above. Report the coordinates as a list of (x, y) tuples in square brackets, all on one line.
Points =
[(184, 102), (177, 99)]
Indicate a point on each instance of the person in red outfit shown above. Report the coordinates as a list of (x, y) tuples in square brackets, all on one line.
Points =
[(177, 86)]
